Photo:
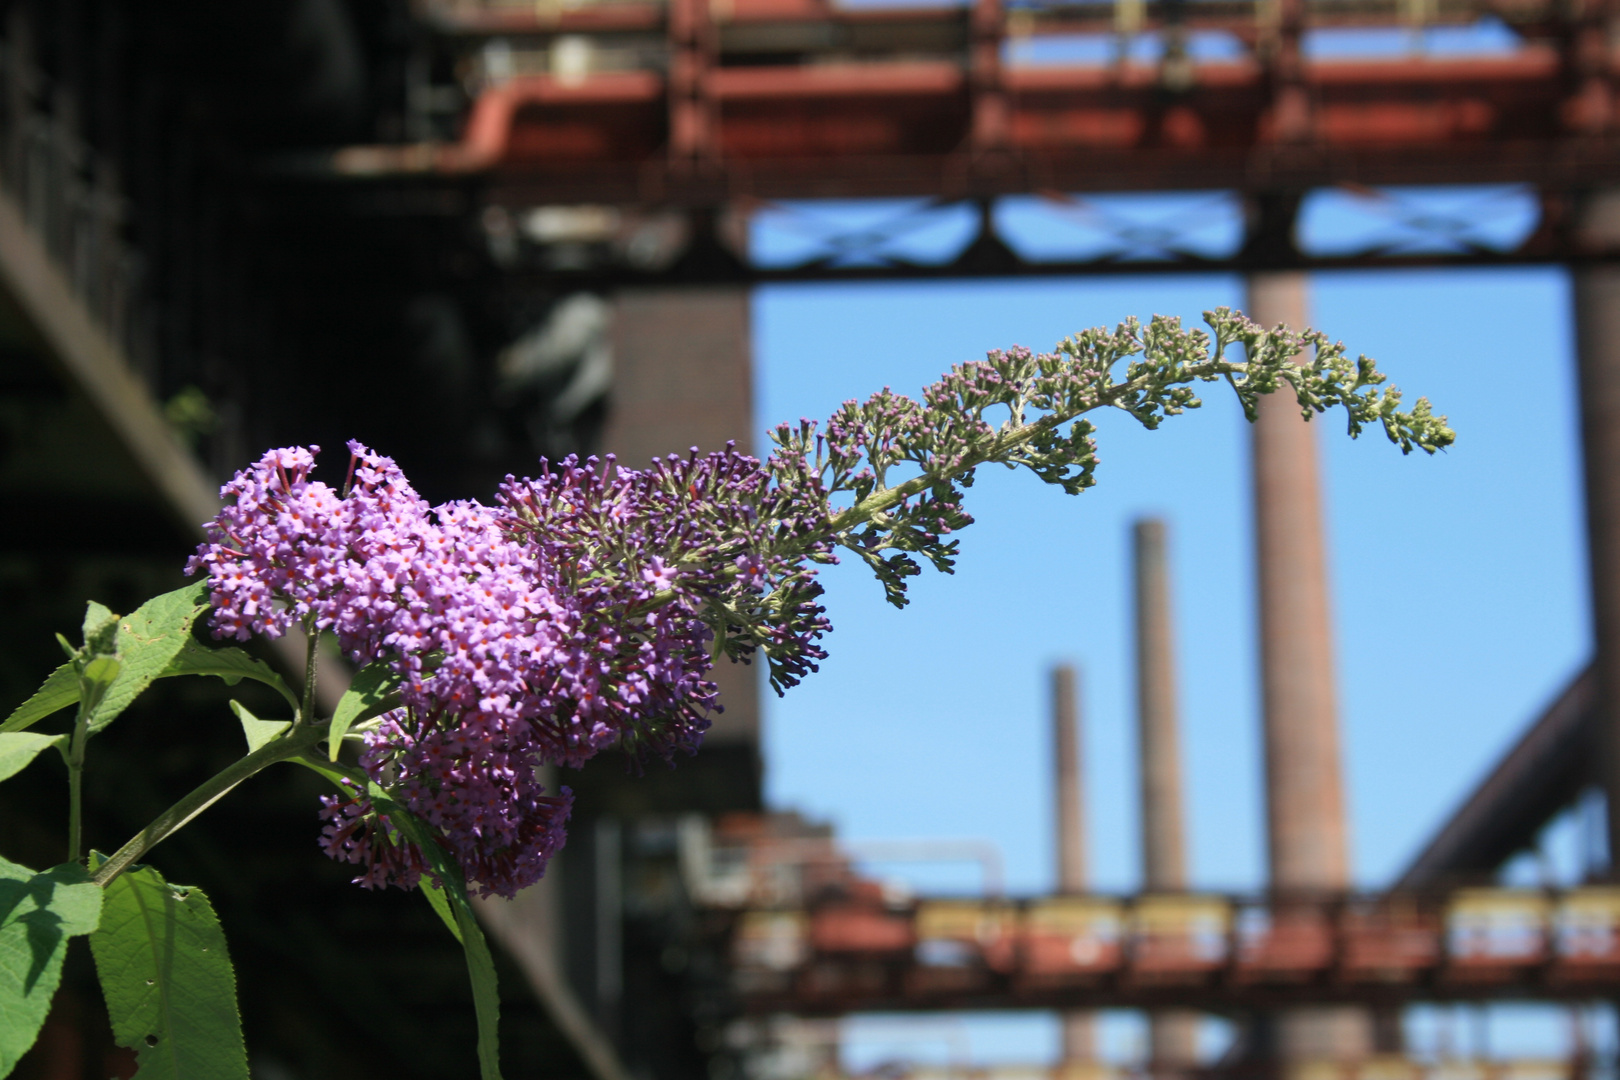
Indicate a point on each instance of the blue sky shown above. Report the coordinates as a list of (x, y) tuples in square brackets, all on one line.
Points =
[(1457, 581)]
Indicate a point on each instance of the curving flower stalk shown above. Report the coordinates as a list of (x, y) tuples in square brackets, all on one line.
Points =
[(585, 609)]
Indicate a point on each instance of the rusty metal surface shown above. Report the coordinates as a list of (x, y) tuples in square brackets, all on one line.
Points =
[(786, 99), (1178, 950), (1534, 18), (897, 128), (702, 109)]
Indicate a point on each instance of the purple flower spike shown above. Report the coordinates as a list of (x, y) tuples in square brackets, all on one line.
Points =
[(516, 644)]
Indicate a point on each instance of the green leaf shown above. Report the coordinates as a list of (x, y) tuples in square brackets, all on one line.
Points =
[(335, 773), (61, 689), (157, 636), (18, 748), (167, 978), (103, 669), (148, 641), (258, 731), (480, 964), (441, 906), (367, 694), (38, 914), (96, 677), (228, 663)]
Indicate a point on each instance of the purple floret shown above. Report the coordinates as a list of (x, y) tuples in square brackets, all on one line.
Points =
[(572, 616)]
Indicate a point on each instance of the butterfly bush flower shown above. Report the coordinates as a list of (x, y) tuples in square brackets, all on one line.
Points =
[(567, 618), (587, 606)]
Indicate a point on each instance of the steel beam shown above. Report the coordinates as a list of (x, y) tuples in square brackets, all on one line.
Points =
[(1543, 772), (1335, 953), (903, 125)]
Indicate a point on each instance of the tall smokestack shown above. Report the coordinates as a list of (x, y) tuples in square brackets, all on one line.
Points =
[(1071, 835), (1172, 1036), (1164, 857), (1079, 1028), (1305, 823)]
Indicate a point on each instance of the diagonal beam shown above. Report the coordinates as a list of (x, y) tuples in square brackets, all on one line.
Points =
[(1540, 775), (69, 338)]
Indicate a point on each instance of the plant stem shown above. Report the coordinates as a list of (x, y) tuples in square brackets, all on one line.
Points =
[(306, 715), (172, 820), (75, 764), (991, 448), (1006, 439)]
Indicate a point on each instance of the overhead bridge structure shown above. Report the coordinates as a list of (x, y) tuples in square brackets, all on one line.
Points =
[(1213, 953), (716, 106)]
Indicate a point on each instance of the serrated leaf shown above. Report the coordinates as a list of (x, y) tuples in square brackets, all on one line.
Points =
[(148, 641), (228, 663), (366, 694), (167, 978), (233, 665), (480, 964), (60, 690), (38, 914), (18, 748), (258, 732)]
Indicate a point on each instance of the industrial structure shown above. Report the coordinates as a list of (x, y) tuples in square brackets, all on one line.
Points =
[(481, 232)]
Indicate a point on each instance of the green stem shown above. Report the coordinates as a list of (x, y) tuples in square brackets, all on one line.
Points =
[(172, 820), (75, 762), (306, 715), (996, 446), (1006, 439), (992, 449)]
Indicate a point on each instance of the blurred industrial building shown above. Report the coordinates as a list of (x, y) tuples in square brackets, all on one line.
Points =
[(475, 233)]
